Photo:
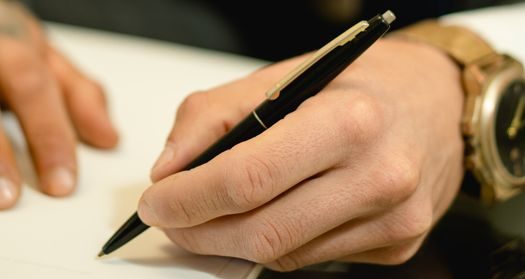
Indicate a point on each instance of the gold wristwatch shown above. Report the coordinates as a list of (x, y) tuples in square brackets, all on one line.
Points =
[(493, 121)]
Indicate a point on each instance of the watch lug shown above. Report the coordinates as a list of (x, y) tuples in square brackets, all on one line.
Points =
[(473, 77), (477, 78)]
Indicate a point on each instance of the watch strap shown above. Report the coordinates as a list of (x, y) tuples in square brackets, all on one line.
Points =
[(460, 43)]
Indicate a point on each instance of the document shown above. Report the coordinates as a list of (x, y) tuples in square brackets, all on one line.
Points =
[(145, 81)]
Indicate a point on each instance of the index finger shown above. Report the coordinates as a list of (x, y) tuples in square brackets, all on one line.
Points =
[(305, 143)]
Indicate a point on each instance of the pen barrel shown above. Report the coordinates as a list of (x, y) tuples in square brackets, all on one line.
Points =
[(129, 230), (246, 129), (313, 80), (316, 77)]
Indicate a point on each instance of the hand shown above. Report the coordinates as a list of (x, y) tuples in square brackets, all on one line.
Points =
[(516, 122), (360, 172), (53, 101)]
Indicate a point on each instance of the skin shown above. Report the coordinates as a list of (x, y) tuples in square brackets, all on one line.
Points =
[(360, 172), (55, 103)]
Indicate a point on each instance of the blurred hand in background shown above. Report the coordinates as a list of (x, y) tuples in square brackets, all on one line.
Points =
[(55, 103)]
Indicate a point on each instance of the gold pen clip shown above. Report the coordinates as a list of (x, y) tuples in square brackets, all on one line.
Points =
[(340, 40)]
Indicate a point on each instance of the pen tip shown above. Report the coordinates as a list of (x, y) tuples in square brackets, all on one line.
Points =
[(101, 254)]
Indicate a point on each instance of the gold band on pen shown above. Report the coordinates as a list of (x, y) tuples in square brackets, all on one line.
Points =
[(259, 119)]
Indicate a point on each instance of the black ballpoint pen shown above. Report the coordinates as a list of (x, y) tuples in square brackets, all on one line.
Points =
[(303, 82)]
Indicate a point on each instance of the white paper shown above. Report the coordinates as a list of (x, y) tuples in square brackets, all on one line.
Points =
[(44, 237)]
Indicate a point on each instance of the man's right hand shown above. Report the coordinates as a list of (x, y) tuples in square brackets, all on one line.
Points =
[(54, 103)]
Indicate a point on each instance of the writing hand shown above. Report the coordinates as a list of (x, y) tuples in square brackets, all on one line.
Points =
[(53, 101), (360, 172)]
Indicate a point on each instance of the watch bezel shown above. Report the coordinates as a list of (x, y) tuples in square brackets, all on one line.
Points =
[(492, 168)]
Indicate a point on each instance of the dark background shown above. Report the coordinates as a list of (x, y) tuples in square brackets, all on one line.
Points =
[(270, 30)]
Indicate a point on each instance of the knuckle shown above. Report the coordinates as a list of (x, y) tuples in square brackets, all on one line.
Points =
[(26, 84), (269, 242), (253, 182), (398, 179), (420, 221), (186, 239), (397, 255), (27, 72), (193, 103), (20, 59), (405, 177), (363, 118), (286, 264), (416, 222)]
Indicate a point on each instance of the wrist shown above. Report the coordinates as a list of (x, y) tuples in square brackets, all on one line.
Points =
[(437, 62), (426, 47), (493, 85)]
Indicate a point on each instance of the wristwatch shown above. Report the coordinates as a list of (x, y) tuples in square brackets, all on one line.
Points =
[(493, 122)]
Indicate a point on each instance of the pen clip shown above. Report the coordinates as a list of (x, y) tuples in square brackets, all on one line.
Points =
[(340, 40)]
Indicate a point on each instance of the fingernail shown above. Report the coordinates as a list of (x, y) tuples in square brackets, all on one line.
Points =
[(146, 213), (165, 157), (7, 193), (61, 181)]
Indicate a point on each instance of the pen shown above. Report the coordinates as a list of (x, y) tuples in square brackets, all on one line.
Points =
[(284, 97)]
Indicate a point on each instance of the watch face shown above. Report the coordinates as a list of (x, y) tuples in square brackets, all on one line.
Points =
[(510, 128)]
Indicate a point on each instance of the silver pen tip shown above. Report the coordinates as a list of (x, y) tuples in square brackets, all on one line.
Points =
[(389, 16), (101, 254)]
